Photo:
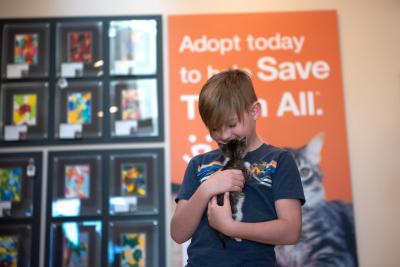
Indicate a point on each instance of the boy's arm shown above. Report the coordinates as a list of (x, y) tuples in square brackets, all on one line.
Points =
[(284, 230), (188, 213)]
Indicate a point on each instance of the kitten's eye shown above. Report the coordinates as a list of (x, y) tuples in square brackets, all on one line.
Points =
[(305, 172)]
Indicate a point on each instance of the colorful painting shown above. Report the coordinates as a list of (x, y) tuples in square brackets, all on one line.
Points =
[(132, 182), (25, 109), (80, 47), (133, 250), (77, 181), (79, 108), (76, 253), (26, 49), (10, 184), (9, 251), (130, 104)]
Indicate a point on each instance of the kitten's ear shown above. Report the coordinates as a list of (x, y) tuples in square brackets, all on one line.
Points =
[(314, 147)]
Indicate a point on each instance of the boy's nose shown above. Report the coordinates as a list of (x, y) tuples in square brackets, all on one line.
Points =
[(225, 135)]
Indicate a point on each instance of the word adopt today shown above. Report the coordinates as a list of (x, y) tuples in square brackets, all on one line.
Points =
[(224, 45)]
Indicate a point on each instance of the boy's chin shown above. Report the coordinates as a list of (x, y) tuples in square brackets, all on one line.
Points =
[(238, 138)]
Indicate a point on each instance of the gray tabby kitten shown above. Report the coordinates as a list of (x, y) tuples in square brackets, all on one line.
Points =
[(234, 152), (328, 235)]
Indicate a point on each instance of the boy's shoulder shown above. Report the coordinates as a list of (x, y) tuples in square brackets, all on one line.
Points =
[(207, 156), (265, 151), (268, 151)]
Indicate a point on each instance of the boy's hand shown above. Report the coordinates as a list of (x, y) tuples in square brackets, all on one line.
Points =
[(220, 217), (224, 181)]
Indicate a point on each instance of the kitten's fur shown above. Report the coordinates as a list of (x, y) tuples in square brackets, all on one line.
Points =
[(234, 152), (328, 236)]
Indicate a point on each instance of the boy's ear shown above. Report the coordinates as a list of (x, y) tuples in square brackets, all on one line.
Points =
[(256, 110)]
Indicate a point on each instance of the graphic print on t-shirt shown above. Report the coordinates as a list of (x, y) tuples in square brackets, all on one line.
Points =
[(262, 172), (204, 171)]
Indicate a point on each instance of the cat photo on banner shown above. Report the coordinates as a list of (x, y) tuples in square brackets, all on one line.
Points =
[(328, 232)]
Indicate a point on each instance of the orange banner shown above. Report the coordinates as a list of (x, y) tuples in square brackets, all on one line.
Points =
[(294, 61)]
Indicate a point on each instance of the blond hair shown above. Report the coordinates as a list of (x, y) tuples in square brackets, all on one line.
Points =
[(224, 94)]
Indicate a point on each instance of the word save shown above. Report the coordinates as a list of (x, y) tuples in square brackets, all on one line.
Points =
[(271, 70)]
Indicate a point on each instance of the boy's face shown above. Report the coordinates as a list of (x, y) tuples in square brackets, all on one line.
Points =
[(234, 129)]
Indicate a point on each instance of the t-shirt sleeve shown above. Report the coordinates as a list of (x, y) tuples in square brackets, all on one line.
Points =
[(190, 182), (287, 181)]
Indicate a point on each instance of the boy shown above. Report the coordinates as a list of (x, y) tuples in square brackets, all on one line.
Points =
[(273, 197)]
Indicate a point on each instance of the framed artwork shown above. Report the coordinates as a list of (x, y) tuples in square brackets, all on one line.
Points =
[(77, 181), (20, 179), (134, 182), (133, 243), (79, 110), (16, 187), (24, 112), (133, 47), (80, 46), (134, 110), (10, 184), (15, 245), (76, 184), (79, 49), (133, 176), (76, 244), (25, 51)]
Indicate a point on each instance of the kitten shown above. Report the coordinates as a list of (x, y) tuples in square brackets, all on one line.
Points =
[(328, 235), (234, 152)]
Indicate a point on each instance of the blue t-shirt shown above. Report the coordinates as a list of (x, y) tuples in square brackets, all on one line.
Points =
[(274, 176)]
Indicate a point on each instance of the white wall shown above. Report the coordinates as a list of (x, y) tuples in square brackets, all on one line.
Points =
[(370, 50)]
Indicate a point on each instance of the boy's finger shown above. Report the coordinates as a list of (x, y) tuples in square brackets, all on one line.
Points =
[(226, 199), (226, 196), (213, 200)]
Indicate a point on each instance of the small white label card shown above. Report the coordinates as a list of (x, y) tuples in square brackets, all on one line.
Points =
[(70, 131), (31, 169), (72, 69), (124, 66), (123, 204), (66, 207), (5, 207), (123, 128), (17, 71), (15, 132)]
